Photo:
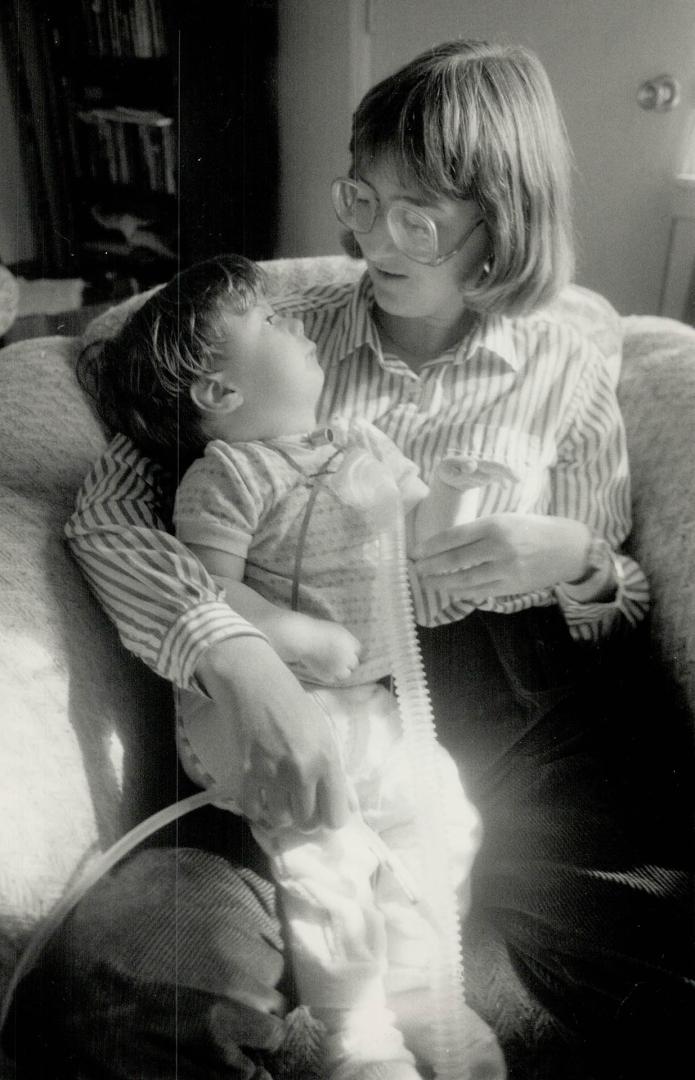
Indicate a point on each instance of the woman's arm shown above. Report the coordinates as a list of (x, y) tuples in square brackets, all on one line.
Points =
[(165, 605), (591, 484), (511, 554), (169, 612)]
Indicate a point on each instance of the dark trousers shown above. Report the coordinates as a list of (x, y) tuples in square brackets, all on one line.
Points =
[(174, 968), (568, 753)]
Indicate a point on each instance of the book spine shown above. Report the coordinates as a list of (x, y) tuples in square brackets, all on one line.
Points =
[(99, 27), (107, 153), (122, 163), (145, 134), (169, 151), (158, 162), (112, 22), (156, 25)]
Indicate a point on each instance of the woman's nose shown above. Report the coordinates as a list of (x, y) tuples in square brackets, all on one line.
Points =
[(378, 241)]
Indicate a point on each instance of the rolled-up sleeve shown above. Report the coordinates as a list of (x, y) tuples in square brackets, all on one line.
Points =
[(165, 606)]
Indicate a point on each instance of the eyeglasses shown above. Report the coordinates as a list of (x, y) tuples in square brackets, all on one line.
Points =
[(413, 231)]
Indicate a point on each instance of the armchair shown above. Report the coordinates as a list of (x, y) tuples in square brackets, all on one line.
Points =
[(87, 731)]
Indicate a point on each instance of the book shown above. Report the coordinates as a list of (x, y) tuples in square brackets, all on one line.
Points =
[(169, 149), (125, 115)]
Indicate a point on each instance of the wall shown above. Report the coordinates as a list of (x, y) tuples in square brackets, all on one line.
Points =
[(596, 51), (16, 235), (323, 71)]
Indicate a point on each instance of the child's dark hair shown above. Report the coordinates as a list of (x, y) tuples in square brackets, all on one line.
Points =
[(141, 379), (472, 120)]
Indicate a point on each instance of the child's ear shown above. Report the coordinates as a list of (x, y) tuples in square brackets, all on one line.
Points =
[(213, 393)]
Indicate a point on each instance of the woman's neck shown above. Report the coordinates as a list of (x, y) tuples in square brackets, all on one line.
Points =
[(415, 341)]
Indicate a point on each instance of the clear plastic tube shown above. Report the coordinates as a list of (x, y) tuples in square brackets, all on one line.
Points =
[(451, 1014), (94, 872)]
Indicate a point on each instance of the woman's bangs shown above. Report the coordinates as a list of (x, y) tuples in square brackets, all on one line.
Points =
[(435, 145)]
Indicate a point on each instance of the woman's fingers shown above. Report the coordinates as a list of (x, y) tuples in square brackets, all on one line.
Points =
[(506, 554), (466, 556), (456, 538), (280, 797)]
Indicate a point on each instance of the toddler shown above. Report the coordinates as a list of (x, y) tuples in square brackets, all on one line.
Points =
[(287, 518)]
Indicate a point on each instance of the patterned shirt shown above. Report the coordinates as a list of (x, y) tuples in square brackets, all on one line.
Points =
[(305, 513), (531, 388)]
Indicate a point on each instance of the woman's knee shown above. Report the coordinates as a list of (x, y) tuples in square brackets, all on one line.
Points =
[(177, 955)]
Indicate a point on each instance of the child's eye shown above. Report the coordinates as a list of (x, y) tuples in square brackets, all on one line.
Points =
[(273, 318)]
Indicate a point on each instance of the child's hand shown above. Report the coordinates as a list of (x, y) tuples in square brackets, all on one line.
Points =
[(326, 650), (333, 654)]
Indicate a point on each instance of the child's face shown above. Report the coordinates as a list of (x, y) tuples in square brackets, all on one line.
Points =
[(275, 369)]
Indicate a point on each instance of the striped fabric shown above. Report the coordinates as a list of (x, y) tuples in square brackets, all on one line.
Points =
[(530, 392)]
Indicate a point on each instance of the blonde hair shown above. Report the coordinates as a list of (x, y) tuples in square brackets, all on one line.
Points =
[(472, 120)]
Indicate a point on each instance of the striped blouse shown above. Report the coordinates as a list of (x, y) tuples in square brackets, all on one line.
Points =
[(530, 392)]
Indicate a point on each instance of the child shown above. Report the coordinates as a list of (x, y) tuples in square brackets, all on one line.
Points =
[(287, 518)]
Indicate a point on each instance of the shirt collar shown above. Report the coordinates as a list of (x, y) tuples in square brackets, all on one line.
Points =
[(491, 334), (355, 328)]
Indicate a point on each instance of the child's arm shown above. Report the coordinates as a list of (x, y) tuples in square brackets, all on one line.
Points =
[(325, 649)]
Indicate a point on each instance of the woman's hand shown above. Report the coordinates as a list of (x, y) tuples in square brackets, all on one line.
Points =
[(293, 772), (505, 554)]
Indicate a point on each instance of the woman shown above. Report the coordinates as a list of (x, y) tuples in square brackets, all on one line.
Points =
[(457, 199)]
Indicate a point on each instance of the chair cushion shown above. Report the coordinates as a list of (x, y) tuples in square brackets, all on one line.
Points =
[(657, 397), (9, 299), (77, 709), (80, 717)]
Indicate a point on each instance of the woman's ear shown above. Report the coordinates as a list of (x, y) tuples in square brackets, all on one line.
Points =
[(213, 393)]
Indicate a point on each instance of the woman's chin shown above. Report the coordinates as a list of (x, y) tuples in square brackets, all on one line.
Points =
[(393, 293)]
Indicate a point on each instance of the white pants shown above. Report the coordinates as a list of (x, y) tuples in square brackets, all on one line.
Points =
[(357, 937)]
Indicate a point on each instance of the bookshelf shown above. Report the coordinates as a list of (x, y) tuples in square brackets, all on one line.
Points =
[(153, 125), (114, 28)]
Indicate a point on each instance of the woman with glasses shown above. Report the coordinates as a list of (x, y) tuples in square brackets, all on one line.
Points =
[(457, 198)]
